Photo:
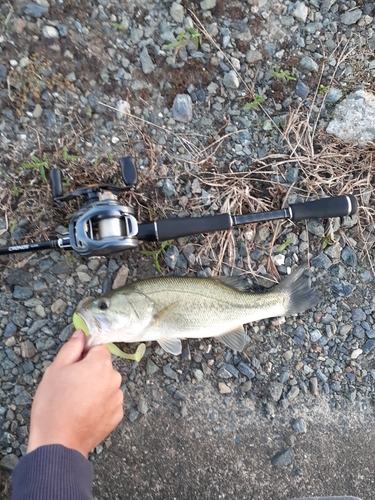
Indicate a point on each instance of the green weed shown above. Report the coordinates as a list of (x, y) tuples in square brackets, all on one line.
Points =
[(120, 27), (254, 104), (192, 36), (323, 89), (284, 245), (328, 240), (16, 191), (68, 157), (157, 253), (288, 75), (40, 165)]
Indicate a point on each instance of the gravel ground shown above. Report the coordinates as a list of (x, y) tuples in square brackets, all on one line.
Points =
[(264, 423)]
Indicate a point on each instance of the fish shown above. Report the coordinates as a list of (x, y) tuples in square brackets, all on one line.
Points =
[(168, 309)]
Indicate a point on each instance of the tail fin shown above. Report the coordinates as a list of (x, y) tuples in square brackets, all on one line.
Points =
[(297, 287)]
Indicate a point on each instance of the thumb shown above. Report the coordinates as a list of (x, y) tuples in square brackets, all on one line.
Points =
[(72, 351)]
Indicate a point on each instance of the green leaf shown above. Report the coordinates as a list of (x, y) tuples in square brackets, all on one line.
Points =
[(284, 245), (119, 26), (254, 104)]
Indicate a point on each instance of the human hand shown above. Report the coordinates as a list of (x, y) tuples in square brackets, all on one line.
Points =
[(79, 401)]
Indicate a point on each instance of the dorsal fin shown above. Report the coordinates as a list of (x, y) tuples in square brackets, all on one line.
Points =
[(238, 283)]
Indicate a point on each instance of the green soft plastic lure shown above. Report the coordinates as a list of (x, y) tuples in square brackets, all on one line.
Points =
[(79, 324)]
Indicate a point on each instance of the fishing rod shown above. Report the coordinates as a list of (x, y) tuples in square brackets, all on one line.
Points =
[(103, 226)]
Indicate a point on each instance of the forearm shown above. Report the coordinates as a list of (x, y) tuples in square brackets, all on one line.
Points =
[(53, 472)]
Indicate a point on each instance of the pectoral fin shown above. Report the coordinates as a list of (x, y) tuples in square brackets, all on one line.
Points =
[(234, 339), (173, 346), (137, 356)]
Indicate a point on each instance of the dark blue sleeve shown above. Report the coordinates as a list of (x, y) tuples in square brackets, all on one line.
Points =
[(53, 472)]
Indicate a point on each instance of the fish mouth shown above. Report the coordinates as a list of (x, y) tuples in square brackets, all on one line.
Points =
[(80, 324)]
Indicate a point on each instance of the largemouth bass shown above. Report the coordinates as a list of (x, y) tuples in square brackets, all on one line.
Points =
[(173, 308)]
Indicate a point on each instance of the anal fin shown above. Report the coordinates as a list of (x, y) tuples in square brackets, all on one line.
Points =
[(171, 345), (235, 339)]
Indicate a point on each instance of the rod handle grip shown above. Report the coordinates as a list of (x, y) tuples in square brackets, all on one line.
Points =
[(170, 229), (337, 206)]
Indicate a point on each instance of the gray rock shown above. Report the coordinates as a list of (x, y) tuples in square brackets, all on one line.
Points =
[(19, 277), (9, 461), (321, 376), (293, 393), (10, 329), (349, 256), (22, 292), (198, 375), (23, 398), (284, 376), (326, 6), (231, 80), (314, 386), (208, 4), (283, 458), (354, 118), (333, 95), (275, 390), (167, 370), (50, 117), (35, 10), (177, 12), (20, 315), (3, 72), (50, 32), (169, 189), (37, 325), (63, 30), (182, 110), (368, 346), (349, 221), (146, 62), (171, 256), (300, 11), (308, 64), (45, 344), (351, 17), (343, 288), (299, 425), (315, 335), (358, 314), (27, 349), (253, 56), (245, 369), (321, 261), (315, 227), (302, 90), (151, 367), (142, 407), (224, 373), (133, 415)]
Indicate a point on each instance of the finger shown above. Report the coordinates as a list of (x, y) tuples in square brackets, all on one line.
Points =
[(99, 353), (71, 352)]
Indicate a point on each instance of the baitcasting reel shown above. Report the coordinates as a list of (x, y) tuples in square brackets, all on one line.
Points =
[(103, 226)]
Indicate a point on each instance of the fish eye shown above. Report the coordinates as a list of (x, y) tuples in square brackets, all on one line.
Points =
[(103, 304)]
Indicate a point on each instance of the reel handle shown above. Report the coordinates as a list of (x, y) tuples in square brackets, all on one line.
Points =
[(56, 181)]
